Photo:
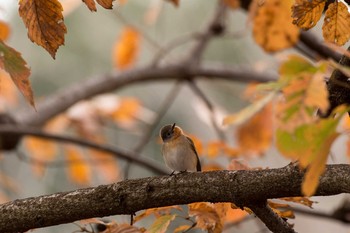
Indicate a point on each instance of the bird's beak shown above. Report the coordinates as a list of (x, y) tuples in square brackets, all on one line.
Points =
[(172, 128)]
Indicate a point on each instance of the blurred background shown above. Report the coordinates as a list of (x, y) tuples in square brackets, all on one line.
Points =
[(89, 51)]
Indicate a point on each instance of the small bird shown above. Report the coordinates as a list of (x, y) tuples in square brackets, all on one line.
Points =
[(178, 150)]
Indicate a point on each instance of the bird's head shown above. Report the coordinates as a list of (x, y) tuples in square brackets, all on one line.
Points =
[(170, 132)]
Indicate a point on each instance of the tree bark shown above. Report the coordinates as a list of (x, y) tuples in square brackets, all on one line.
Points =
[(244, 188)]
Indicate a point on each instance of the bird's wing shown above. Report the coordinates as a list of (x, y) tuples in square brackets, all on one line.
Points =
[(199, 168)]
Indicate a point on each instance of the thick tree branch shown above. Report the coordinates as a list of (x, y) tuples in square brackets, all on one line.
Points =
[(244, 188), (60, 101)]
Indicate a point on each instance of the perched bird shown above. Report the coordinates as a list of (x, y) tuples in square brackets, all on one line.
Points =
[(178, 150)]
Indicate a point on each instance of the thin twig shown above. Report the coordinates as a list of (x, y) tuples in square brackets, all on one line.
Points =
[(117, 152), (147, 38), (210, 107)]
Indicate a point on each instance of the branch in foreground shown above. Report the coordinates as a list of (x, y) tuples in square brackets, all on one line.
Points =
[(244, 188), (274, 222)]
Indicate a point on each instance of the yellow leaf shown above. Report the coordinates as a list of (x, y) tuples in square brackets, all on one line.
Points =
[(255, 136), (79, 170), (273, 29), (44, 21), (121, 228), (336, 27), (161, 224), (316, 94), (41, 150), (317, 166), (244, 115), (126, 111), (12, 62), (126, 48), (307, 13), (182, 228), (4, 31), (157, 212), (206, 217)]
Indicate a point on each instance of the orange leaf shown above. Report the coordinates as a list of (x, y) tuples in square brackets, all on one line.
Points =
[(197, 143), (44, 21), (212, 167), (300, 200), (255, 136), (8, 90), (79, 169), (106, 165), (4, 31), (126, 48), (41, 150), (214, 148), (126, 111), (228, 214), (307, 13), (273, 29), (336, 27), (233, 4), (206, 216), (13, 63)]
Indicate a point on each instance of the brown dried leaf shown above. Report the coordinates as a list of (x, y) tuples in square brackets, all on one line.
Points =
[(107, 4), (307, 13), (273, 29), (206, 216), (90, 4), (233, 4), (13, 63), (336, 28), (175, 2), (44, 21)]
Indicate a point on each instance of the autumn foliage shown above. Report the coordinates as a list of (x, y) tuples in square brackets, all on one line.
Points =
[(284, 114)]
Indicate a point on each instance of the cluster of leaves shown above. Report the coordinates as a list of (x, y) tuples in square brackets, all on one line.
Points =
[(202, 215), (300, 134)]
